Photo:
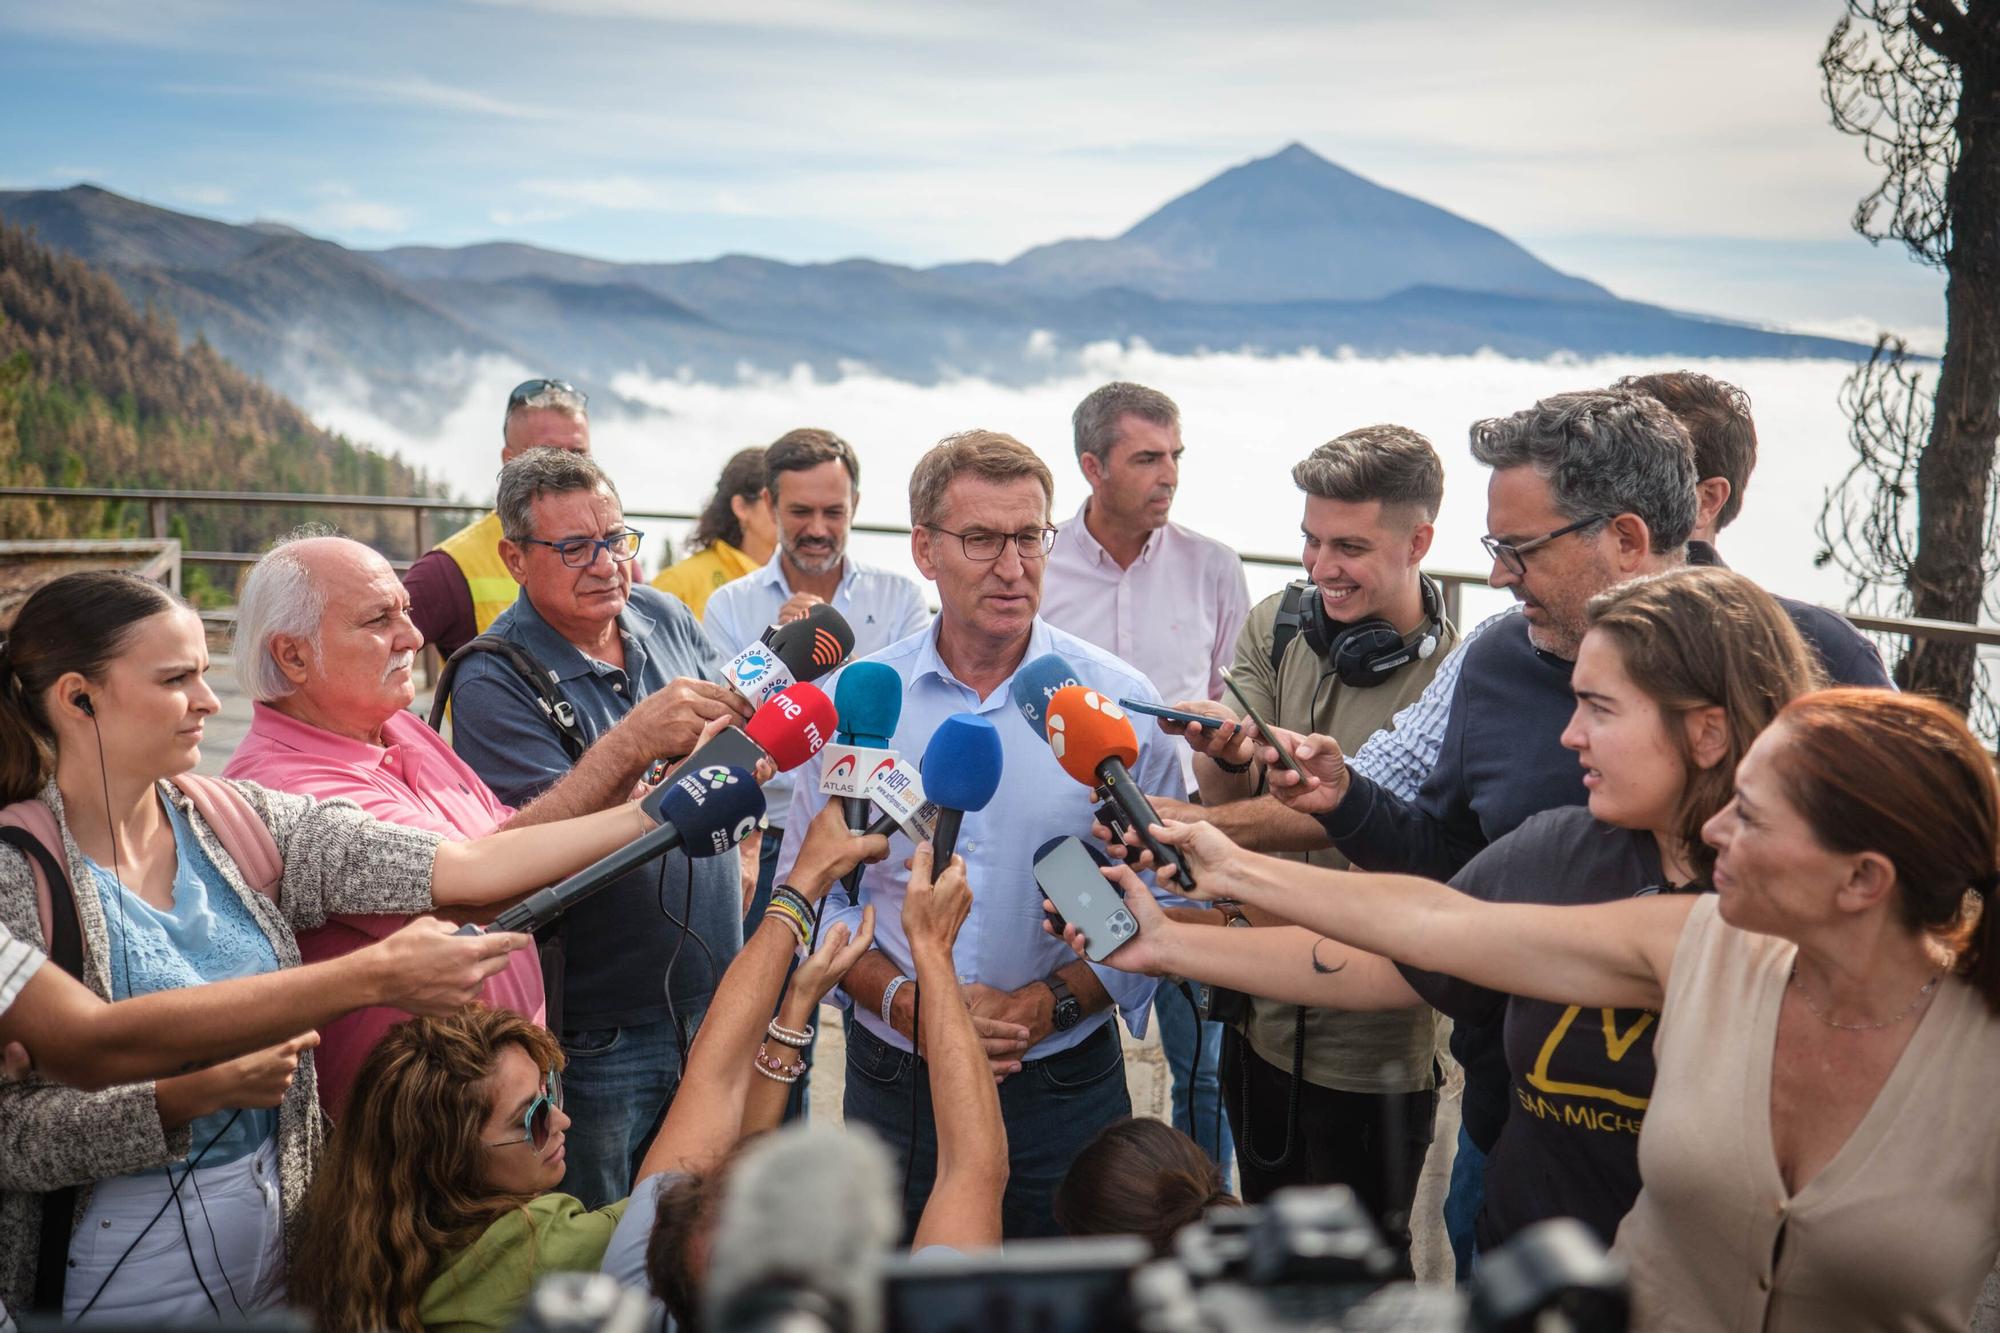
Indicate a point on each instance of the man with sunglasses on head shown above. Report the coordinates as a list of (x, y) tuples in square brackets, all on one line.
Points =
[(640, 960), (460, 586)]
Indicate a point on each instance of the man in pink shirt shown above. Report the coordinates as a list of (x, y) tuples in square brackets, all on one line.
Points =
[(1124, 576), (325, 646)]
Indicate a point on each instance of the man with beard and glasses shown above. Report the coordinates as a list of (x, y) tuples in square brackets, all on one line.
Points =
[(812, 484), (324, 645)]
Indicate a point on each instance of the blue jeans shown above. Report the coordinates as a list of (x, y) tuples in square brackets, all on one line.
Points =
[(1052, 1108), (1198, 1062), (616, 1090), (1463, 1199)]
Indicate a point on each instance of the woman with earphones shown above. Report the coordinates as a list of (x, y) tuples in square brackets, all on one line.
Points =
[(170, 1200)]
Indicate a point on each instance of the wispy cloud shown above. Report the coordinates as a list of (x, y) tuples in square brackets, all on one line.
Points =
[(341, 209), (418, 91), (206, 196)]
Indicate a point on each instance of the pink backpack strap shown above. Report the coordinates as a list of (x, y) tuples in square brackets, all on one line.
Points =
[(242, 834), (39, 823)]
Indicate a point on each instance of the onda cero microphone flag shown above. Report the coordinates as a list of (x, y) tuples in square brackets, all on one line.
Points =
[(1095, 744)]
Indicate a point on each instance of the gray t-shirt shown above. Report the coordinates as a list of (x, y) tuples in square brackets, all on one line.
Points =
[(625, 1257)]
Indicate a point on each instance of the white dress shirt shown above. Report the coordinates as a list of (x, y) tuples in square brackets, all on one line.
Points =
[(880, 606), (1002, 943)]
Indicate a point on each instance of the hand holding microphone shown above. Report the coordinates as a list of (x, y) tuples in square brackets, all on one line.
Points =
[(869, 700), (1095, 744), (801, 650)]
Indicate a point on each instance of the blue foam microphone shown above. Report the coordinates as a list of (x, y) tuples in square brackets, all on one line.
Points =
[(961, 771), (1035, 683), (869, 699), (706, 812)]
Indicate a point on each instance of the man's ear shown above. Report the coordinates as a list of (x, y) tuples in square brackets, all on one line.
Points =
[(1710, 494), (923, 552), (1421, 537), (516, 559), (1093, 469), (1632, 542), (293, 656)]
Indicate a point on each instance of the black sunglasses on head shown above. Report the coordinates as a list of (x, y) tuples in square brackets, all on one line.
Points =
[(527, 389)]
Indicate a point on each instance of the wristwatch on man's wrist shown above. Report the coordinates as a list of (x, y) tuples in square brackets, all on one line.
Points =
[(1069, 1009)]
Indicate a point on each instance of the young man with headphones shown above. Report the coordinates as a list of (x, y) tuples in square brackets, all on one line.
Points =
[(1319, 1096)]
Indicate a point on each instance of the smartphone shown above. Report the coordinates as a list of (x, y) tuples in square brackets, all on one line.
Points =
[(1263, 728), (1069, 878), (729, 746), (1174, 715)]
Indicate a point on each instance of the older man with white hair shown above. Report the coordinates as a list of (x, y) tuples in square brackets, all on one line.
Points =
[(324, 646)]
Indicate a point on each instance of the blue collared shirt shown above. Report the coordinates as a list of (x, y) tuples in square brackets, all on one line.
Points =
[(618, 943), (880, 606), (1002, 943)]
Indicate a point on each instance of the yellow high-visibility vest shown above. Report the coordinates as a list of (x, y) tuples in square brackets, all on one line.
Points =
[(476, 552)]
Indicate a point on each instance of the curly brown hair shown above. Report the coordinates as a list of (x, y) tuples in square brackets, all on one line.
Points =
[(403, 1182)]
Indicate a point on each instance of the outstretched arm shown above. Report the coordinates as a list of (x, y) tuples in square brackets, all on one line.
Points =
[(1613, 954), (963, 1210), (73, 1037)]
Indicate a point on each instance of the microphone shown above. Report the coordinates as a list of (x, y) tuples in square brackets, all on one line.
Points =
[(706, 812), (775, 1263), (1036, 683), (803, 650), (961, 771), (788, 730), (1095, 744), (869, 699)]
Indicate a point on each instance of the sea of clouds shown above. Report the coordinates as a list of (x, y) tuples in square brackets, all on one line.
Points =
[(1246, 418)]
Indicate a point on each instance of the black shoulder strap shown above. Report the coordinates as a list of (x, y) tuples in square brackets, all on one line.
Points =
[(538, 678), (65, 945), (1291, 619)]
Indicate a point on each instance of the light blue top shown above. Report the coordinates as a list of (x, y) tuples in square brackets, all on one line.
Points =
[(1002, 943), (880, 605), (208, 935)]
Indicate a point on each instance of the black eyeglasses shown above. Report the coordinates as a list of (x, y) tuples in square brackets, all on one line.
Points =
[(527, 389), (1511, 554), (535, 1121), (1033, 544), (581, 552)]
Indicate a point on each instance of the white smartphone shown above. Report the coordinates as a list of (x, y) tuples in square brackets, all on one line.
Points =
[(1069, 878)]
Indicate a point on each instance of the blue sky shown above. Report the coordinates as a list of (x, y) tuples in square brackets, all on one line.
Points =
[(1676, 152)]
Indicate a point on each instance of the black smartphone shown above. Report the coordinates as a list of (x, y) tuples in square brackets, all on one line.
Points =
[(1069, 878), (1263, 728), (730, 747), (1186, 719)]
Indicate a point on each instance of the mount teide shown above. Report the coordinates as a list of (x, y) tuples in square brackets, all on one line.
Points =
[(1281, 253)]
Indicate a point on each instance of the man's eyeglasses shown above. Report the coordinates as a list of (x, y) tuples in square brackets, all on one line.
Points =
[(535, 1121), (581, 552), (1512, 554), (527, 389), (1033, 544)]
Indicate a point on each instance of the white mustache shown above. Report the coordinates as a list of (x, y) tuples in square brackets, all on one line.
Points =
[(402, 661)]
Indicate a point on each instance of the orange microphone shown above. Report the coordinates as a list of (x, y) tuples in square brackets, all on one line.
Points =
[(1095, 744)]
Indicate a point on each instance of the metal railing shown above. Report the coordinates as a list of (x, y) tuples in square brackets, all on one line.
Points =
[(160, 504)]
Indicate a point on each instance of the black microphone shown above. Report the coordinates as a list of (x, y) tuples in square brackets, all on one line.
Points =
[(707, 812)]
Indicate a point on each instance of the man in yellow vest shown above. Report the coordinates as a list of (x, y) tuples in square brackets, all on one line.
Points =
[(461, 585)]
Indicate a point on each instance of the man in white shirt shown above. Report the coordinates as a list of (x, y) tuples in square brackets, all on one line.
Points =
[(1171, 602), (812, 484)]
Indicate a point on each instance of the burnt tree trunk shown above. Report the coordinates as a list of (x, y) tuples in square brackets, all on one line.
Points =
[(1946, 579)]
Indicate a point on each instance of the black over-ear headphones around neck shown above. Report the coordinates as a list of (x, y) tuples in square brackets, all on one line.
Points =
[(1367, 652)]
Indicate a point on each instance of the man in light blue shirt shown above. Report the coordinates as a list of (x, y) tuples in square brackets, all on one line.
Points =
[(813, 485), (979, 507)]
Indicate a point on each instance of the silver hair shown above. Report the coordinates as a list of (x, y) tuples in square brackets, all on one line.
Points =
[(1095, 421), (1602, 451), (566, 401), (541, 472), (278, 596)]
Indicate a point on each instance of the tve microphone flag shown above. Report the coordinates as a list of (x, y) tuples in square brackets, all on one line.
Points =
[(961, 772), (706, 811), (803, 650), (1094, 742), (1036, 683)]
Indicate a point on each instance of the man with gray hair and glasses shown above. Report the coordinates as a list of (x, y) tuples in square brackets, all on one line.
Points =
[(460, 586), (640, 959)]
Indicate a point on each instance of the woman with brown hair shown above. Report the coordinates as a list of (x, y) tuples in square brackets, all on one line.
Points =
[(735, 534), (1139, 1177), (102, 707), (1819, 1154), (1674, 679)]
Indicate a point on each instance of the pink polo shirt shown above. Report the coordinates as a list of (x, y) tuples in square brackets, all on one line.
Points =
[(413, 779)]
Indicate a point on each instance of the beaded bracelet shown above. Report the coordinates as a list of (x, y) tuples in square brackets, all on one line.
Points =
[(797, 1040), (773, 1068), (786, 893)]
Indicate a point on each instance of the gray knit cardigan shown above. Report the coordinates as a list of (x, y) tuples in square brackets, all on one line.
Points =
[(337, 859)]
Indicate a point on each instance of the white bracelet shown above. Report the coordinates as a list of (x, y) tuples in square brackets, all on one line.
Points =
[(889, 1001)]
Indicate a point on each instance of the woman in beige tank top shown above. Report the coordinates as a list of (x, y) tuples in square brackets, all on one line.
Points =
[(1819, 1151)]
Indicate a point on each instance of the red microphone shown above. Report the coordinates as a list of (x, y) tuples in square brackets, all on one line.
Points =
[(791, 727), (1095, 744)]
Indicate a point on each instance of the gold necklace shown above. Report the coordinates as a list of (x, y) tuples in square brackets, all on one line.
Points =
[(1820, 1014)]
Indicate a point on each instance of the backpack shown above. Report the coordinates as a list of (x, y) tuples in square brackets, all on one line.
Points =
[(30, 828)]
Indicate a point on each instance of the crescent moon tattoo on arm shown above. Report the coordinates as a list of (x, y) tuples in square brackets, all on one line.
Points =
[(1322, 968)]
